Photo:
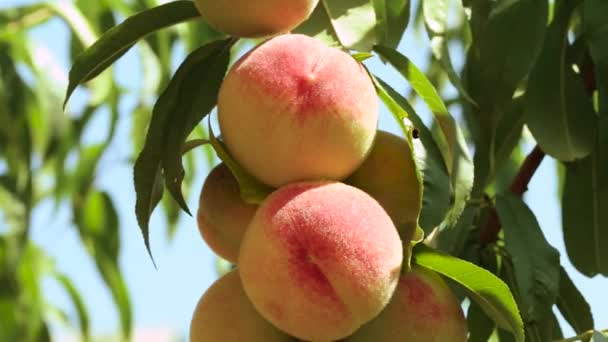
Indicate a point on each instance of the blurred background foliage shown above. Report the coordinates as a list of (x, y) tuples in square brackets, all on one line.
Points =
[(496, 64), (44, 157)]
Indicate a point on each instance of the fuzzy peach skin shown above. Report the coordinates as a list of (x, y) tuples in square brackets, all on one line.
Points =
[(252, 19), (320, 259), (222, 215), (224, 313), (294, 109), (423, 309), (389, 175)]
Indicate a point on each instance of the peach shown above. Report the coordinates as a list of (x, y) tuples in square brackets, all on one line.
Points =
[(222, 215), (224, 313), (389, 176), (251, 19), (423, 309), (320, 259), (294, 109)]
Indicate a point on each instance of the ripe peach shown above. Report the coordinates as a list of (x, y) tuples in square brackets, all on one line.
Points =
[(222, 215), (423, 309), (224, 313), (251, 19), (389, 176), (320, 259), (294, 109)]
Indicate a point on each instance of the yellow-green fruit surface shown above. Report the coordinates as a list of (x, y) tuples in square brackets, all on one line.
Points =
[(423, 309), (225, 314), (255, 18), (389, 176), (222, 215)]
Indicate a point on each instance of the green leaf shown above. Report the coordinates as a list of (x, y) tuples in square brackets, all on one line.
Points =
[(86, 34), (81, 310), (436, 182), (319, 26), (194, 89), (479, 324), (572, 304), (436, 23), (84, 175), (354, 22), (558, 111), (362, 56), (585, 208), (116, 283), (488, 291), (599, 337), (392, 18), (117, 41), (166, 135), (502, 55), (450, 140), (509, 46), (148, 185), (595, 29), (453, 241), (252, 190), (508, 134), (98, 224), (536, 263)]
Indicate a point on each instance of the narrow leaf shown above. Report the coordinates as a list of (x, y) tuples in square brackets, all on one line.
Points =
[(161, 137), (558, 111), (436, 182), (450, 140), (117, 41), (572, 304), (595, 27), (116, 283), (585, 208), (195, 90), (487, 290), (507, 49), (392, 18), (83, 316), (479, 324), (500, 58), (319, 26), (354, 22), (536, 263)]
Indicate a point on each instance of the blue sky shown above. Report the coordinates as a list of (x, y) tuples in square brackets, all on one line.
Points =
[(165, 298)]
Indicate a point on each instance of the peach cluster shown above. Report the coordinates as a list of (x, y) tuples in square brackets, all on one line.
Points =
[(320, 259)]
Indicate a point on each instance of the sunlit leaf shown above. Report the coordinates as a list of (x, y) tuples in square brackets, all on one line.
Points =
[(450, 140), (392, 18), (488, 291), (117, 41)]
